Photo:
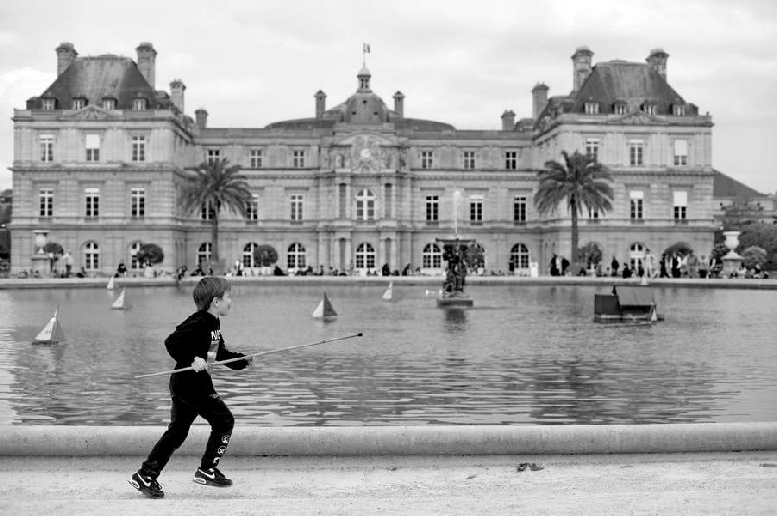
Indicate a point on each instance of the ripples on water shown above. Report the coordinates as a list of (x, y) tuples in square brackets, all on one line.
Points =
[(523, 354)]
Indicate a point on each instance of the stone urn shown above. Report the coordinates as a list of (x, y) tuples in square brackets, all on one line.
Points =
[(732, 262)]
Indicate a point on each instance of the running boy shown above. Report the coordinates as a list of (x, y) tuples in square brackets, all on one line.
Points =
[(195, 343)]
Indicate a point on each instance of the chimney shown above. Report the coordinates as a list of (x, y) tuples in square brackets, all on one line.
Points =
[(201, 118), (581, 67), (657, 61), (320, 103), (177, 87), (66, 54), (147, 63), (399, 104), (508, 120), (539, 95)]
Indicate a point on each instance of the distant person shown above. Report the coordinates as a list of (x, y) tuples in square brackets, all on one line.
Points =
[(67, 261), (121, 270), (614, 266), (81, 274), (197, 342)]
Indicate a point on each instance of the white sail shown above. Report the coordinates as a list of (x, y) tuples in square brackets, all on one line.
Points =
[(324, 309), (110, 284), (52, 332), (388, 295), (119, 303)]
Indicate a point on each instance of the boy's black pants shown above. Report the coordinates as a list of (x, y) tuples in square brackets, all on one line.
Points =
[(184, 411)]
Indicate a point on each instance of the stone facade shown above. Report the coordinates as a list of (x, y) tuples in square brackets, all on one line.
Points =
[(356, 186)]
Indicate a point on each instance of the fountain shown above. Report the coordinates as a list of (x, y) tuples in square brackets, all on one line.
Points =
[(732, 262)]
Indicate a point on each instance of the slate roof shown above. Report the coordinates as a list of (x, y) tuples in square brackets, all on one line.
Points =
[(726, 187), (628, 82), (97, 77)]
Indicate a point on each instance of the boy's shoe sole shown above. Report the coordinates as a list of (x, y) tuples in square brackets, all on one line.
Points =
[(146, 491)]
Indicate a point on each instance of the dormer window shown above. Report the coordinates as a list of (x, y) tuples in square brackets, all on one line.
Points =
[(49, 104), (678, 109), (139, 104), (591, 108), (649, 108), (78, 103), (109, 103), (619, 108)]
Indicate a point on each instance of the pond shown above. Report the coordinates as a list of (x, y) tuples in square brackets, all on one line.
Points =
[(525, 354)]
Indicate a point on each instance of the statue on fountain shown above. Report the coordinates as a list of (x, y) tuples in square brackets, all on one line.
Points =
[(460, 255)]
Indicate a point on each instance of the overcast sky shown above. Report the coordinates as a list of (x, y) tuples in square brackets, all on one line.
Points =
[(252, 63)]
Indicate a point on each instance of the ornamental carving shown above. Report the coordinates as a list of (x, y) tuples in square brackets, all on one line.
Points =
[(366, 155)]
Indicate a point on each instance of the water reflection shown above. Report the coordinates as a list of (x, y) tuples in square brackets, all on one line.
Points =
[(521, 355)]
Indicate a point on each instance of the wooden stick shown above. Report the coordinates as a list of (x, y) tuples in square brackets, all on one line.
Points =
[(260, 353)]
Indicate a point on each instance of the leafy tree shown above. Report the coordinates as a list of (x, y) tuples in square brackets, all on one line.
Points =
[(53, 250), (216, 185), (150, 254), (680, 248), (582, 181), (590, 252), (266, 255), (753, 256), (719, 251)]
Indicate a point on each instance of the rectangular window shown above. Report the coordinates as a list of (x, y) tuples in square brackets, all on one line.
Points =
[(592, 148), (252, 208), (78, 104), (138, 104), (138, 203), (299, 159), (432, 208), (469, 160), (212, 156), (591, 108), (207, 212), (92, 197), (476, 210), (49, 104), (619, 109), (427, 160), (519, 209), (636, 198), (636, 153), (296, 207), (46, 202), (511, 160), (92, 147), (679, 110), (256, 158), (47, 148), (681, 152), (388, 197), (138, 148), (680, 205), (342, 199), (109, 104)]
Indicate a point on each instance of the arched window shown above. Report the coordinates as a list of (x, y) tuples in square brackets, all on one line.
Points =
[(431, 257), (248, 255), (636, 255), (133, 255), (91, 256), (203, 253), (365, 256), (296, 257), (365, 205), (519, 256)]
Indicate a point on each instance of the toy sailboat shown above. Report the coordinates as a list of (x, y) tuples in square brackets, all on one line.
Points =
[(324, 309), (388, 295), (119, 303), (51, 333), (109, 286)]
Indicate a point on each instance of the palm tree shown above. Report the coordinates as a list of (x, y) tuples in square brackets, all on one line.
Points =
[(215, 185), (582, 181)]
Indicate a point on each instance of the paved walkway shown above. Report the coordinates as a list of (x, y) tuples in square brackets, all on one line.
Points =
[(703, 483)]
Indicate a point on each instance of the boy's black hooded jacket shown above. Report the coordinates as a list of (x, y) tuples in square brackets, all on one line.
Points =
[(193, 338)]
